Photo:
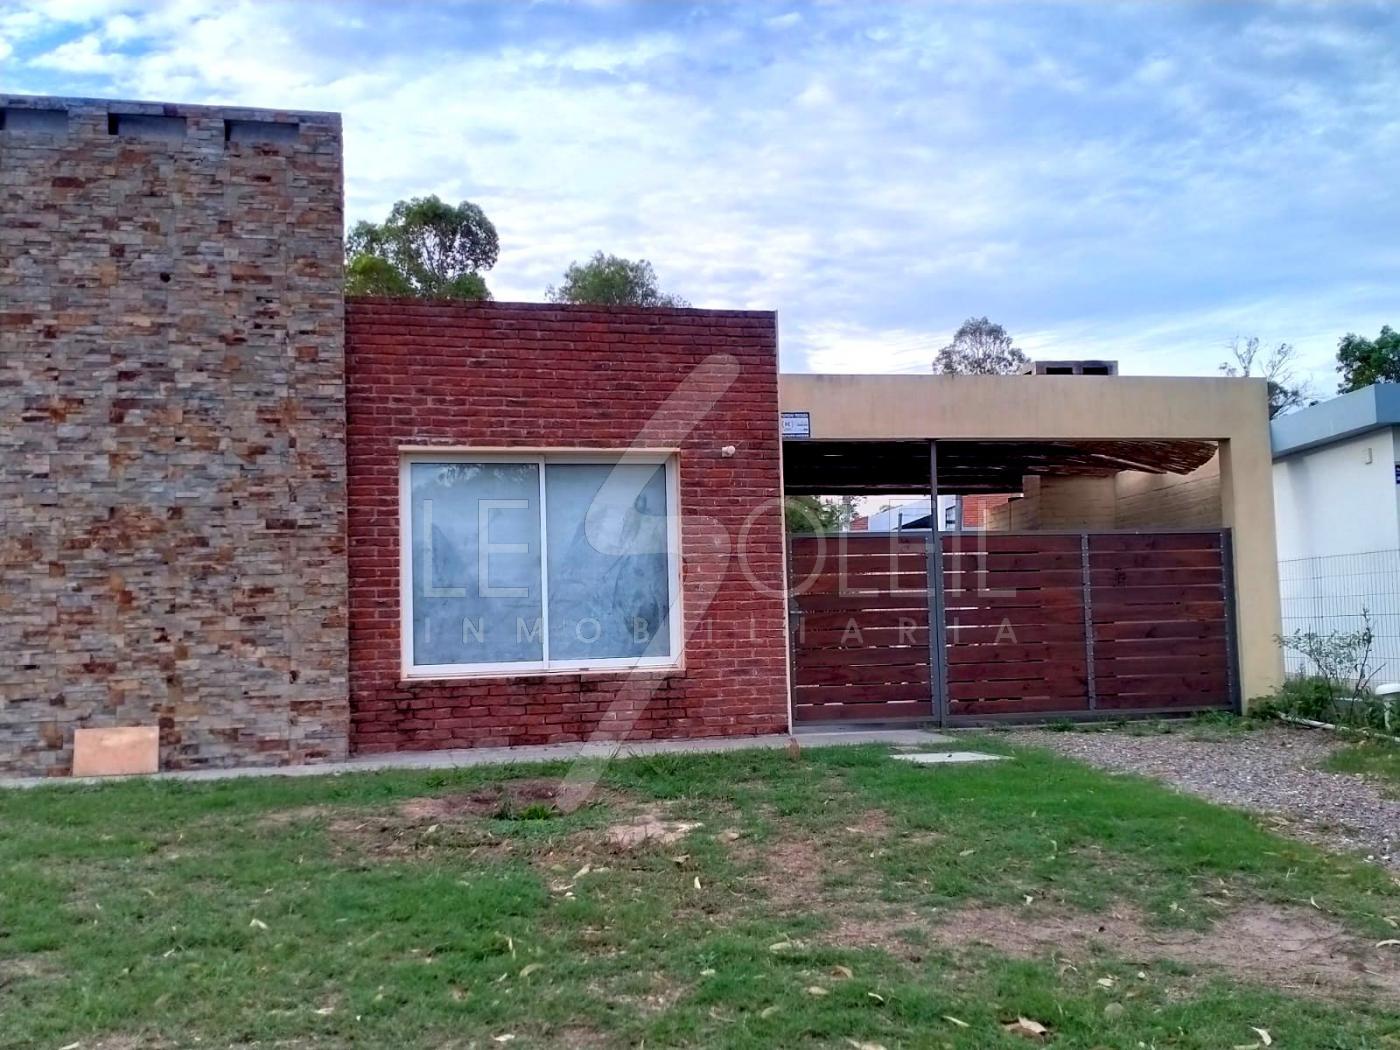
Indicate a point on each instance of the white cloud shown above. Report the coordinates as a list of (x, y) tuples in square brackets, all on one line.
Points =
[(1144, 188), (84, 55)]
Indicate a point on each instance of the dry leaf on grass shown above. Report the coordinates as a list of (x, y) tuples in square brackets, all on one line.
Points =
[(1026, 1028), (956, 1021), (817, 989), (258, 924), (865, 1046), (1263, 1034)]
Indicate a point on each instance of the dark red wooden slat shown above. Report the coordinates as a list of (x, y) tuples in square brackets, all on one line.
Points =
[(1157, 630), (1021, 597), (1155, 541), (1007, 652), (1154, 560), (853, 621), (1169, 595), (1191, 648), (1114, 665), (967, 563), (867, 637), (1068, 664), (880, 583), (1015, 634), (876, 654), (962, 615), (863, 674), (1059, 687), (1114, 612), (977, 580), (1036, 705), (1158, 701), (1149, 577), (1028, 543), (811, 694), (887, 711)]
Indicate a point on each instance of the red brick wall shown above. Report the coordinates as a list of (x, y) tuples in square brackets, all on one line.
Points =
[(543, 376)]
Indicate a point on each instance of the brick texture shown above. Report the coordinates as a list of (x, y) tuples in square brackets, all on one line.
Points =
[(536, 376), (172, 479)]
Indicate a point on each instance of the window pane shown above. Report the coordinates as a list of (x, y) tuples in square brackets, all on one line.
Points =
[(476, 563), (609, 587)]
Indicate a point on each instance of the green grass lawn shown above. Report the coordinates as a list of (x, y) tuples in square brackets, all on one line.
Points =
[(1377, 759), (840, 899)]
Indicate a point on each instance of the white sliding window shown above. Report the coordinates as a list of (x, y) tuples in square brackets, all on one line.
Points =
[(539, 562)]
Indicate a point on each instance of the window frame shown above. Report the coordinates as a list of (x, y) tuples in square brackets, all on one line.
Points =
[(668, 459)]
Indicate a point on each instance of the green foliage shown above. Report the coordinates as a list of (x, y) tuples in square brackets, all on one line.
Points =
[(1365, 361), (610, 280), (1338, 685), (980, 348), (1376, 758), (425, 249), (815, 514)]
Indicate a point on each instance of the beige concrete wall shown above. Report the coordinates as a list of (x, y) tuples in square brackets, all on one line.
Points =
[(1059, 503), (1179, 501), (1231, 411)]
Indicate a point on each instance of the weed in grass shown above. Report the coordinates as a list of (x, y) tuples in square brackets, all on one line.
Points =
[(1378, 759)]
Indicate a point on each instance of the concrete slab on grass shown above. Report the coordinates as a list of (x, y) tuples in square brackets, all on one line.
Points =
[(948, 758)]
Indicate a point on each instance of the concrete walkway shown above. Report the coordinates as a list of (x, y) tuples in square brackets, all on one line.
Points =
[(500, 756)]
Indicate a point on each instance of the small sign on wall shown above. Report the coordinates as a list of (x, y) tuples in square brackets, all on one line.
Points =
[(799, 425)]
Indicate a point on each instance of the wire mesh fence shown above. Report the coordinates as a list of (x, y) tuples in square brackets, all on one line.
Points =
[(1329, 593)]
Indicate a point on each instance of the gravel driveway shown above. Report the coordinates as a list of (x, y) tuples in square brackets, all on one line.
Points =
[(1273, 771)]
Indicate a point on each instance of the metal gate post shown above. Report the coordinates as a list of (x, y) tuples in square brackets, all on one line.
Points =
[(1090, 673), (1232, 645), (937, 609)]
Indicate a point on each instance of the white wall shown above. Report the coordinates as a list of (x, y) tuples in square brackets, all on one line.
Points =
[(1331, 500), (1339, 543), (890, 516)]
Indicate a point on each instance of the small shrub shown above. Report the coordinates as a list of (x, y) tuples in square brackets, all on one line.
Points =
[(1337, 688)]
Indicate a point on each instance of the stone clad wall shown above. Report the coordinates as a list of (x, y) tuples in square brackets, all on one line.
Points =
[(172, 475)]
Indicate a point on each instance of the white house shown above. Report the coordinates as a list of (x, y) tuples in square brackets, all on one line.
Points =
[(1337, 502), (912, 514)]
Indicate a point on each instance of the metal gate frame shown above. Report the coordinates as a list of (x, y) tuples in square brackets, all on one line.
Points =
[(939, 705)]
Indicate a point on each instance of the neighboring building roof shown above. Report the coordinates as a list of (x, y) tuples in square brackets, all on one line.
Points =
[(1328, 422)]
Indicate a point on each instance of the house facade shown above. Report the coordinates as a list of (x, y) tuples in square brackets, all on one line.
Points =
[(265, 525), (1337, 493)]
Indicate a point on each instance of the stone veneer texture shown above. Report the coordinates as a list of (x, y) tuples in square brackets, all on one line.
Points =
[(172, 453)]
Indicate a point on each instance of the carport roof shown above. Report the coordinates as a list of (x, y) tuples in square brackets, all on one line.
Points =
[(856, 468)]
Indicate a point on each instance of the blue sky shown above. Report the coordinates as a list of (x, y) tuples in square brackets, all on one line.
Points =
[(1139, 181)]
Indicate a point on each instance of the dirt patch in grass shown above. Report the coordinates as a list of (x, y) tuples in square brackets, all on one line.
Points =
[(507, 800), (1287, 948), (28, 967), (871, 824), (648, 825), (480, 824)]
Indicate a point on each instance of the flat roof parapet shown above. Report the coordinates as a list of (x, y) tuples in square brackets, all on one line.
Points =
[(137, 107)]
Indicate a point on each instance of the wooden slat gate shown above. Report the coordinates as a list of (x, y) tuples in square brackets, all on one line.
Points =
[(977, 627)]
